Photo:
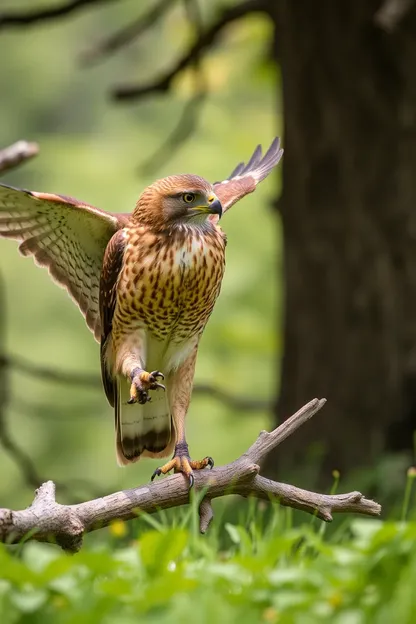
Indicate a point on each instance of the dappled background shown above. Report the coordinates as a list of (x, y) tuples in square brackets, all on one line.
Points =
[(318, 300), (105, 152), (319, 296)]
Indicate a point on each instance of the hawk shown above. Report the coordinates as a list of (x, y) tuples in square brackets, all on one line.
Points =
[(146, 283)]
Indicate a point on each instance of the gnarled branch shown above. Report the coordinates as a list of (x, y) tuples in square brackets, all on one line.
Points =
[(47, 520), (204, 41)]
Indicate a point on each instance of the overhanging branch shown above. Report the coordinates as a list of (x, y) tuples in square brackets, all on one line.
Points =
[(25, 17), (46, 520), (204, 41), (127, 34), (188, 120)]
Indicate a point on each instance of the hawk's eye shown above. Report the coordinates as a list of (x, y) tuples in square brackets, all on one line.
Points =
[(188, 198)]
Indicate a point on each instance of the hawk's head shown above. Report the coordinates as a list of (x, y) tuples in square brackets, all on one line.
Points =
[(179, 199)]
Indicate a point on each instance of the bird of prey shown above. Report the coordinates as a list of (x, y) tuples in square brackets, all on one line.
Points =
[(146, 283)]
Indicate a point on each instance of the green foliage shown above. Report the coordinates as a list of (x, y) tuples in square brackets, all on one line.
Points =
[(365, 573)]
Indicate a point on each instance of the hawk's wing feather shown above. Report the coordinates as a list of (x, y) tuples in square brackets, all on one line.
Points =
[(112, 265), (245, 177), (64, 235)]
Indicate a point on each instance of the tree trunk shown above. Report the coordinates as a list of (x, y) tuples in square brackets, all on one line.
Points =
[(349, 216)]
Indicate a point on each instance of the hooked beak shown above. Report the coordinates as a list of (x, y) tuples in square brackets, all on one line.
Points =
[(215, 207)]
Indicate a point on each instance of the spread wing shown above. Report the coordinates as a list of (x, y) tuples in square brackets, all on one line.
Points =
[(112, 264), (64, 235), (245, 177)]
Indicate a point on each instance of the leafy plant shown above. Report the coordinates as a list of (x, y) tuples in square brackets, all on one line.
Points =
[(269, 572)]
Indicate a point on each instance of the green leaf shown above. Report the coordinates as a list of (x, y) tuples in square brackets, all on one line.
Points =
[(233, 532), (28, 600), (159, 549)]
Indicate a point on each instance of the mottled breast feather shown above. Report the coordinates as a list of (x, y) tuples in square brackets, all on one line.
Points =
[(170, 281)]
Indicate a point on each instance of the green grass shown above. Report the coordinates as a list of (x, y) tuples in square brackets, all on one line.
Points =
[(262, 568)]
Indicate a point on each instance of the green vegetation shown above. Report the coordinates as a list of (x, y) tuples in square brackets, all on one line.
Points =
[(242, 573), (251, 567)]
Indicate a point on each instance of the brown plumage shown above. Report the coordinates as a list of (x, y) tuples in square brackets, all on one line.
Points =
[(146, 284)]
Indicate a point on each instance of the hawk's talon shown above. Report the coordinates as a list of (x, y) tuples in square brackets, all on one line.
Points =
[(181, 462), (155, 386), (141, 383), (156, 473), (155, 374), (143, 397)]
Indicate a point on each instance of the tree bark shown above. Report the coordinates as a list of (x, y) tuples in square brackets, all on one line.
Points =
[(349, 217)]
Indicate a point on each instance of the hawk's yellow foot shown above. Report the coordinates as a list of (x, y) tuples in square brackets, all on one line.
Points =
[(181, 462), (141, 383)]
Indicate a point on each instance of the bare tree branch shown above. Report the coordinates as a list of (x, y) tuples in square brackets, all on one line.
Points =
[(17, 154), (206, 39), (25, 17), (27, 468), (241, 404), (46, 520), (188, 120), (125, 35), (54, 375), (88, 380)]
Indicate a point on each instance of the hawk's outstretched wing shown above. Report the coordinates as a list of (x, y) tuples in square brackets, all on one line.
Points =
[(245, 177), (64, 235)]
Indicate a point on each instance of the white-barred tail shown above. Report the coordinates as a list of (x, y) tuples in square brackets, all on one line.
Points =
[(142, 430)]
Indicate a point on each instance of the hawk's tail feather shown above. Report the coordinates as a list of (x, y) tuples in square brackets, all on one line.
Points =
[(142, 429)]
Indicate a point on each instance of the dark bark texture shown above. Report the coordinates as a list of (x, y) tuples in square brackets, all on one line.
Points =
[(349, 216)]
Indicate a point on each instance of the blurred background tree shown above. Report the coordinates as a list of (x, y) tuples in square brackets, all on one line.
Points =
[(343, 73), (348, 213)]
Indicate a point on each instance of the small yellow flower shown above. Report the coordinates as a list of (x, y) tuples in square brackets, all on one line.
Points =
[(59, 602), (411, 473), (270, 615), (335, 600), (118, 528)]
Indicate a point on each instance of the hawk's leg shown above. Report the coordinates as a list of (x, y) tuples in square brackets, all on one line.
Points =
[(141, 383), (179, 386), (181, 462)]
